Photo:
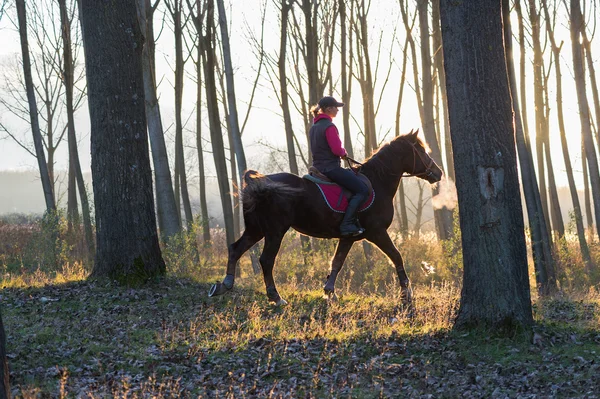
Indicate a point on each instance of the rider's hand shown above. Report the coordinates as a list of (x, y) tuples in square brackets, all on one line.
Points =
[(345, 157)]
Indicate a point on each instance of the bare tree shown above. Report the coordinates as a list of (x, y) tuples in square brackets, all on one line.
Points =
[(443, 217), (167, 215), (585, 252), (4, 374), (540, 237), (577, 26), (438, 62), (346, 53), (127, 241), (587, 45), (204, 23), (235, 134), (175, 8), (496, 285), (69, 83), (33, 111), (204, 217)]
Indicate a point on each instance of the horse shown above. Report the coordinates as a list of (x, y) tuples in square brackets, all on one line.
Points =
[(273, 204)]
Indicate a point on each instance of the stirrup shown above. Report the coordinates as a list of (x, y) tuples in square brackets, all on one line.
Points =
[(353, 233)]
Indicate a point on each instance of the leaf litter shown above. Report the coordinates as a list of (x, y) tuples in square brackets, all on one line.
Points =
[(96, 339)]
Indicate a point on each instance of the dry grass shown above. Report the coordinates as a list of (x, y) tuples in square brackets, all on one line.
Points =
[(68, 337)]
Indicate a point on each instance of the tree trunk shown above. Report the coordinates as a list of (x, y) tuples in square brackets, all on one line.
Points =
[(235, 134), (438, 57), (199, 146), (593, 83), (176, 13), (283, 83), (216, 134), (33, 111), (522, 85), (586, 188), (542, 253), (68, 79), (401, 196), (577, 25), (443, 217), (365, 78), (346, 83), (540, 122), (496, 285), (127, 240), (585, 252), (168, 218), (402, 210), (4, 375)]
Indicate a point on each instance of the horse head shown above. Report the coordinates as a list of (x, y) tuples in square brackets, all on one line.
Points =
[(420, 164)]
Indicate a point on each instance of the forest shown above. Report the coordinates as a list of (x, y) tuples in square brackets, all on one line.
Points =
[(167, 140)]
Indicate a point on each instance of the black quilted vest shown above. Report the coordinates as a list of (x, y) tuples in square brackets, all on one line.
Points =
[(323, 158)]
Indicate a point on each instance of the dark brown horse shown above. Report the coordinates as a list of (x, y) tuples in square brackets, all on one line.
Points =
[(274, 203)]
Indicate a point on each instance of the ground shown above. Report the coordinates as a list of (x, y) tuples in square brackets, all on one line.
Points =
[(168, 339)]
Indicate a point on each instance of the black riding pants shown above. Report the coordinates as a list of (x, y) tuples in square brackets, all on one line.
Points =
[(347, 179)]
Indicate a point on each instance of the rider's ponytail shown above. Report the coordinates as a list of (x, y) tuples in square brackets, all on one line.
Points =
[(315, 110)]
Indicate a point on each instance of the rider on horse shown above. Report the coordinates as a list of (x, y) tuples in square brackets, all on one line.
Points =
[(327, 149)]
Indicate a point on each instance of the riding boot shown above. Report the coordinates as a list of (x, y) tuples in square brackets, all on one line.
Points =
[(350, 226)]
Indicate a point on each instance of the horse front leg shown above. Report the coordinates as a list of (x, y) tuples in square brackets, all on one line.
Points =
[(236, 250), (341, 251), (383, 241), (267, 261)]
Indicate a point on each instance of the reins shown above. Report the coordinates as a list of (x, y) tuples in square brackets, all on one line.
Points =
[(428, 172)]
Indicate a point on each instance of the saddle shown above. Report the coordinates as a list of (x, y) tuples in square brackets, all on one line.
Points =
[(335, 195)]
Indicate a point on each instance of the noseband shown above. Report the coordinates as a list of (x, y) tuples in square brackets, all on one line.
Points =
[(428, 172)]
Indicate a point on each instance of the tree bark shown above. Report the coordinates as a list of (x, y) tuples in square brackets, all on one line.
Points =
[(4, 374), (235, 134), (283, 83), (586, 188), (216, 134), (168, 218), (33, 111), (540, 243), (68, 79), (496, 285), (540, 122), (443, 217), (577, 25), (175, 9), (346, 72), (585, 252), (593, 83), (438, 57), (204, 218), (127, 241)]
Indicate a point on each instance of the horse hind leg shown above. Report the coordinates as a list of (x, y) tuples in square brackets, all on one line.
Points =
[(236, 250)]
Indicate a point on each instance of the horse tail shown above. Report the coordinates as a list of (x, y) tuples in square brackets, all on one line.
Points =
[(265, 202)]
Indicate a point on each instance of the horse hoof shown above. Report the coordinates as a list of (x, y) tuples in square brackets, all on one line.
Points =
[(331, 296), (281, 302), (217, 289)]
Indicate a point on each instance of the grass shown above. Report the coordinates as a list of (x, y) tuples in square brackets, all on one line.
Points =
[(96, 339), (71, 337)]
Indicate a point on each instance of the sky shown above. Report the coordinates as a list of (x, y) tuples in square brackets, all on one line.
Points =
[(265, 125)]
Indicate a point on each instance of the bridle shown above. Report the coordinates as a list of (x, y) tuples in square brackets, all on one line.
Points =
[(427, 173)]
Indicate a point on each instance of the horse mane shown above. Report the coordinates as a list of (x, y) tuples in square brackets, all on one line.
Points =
[(382, 161)]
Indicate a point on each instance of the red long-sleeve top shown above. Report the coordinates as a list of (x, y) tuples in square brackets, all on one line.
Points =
[(333, 137)]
